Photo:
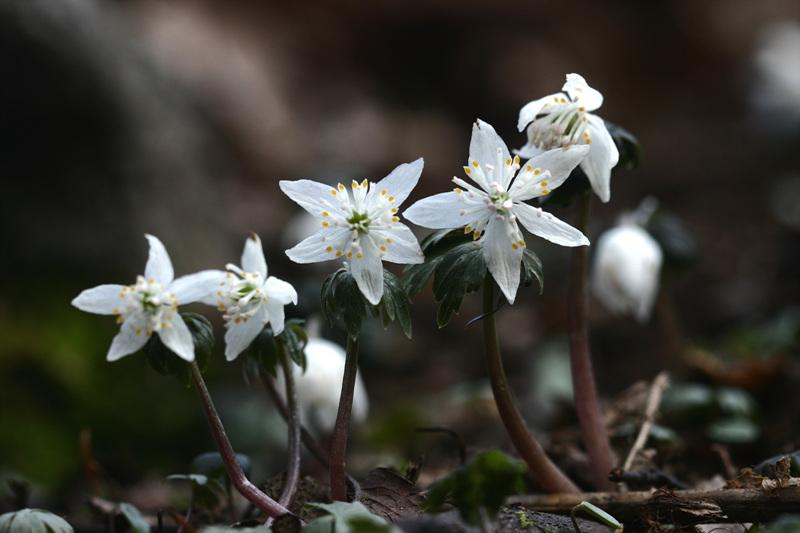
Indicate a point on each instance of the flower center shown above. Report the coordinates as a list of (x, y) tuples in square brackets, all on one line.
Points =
[(500, 200), (147, 298), (241, 296), (562, 127), (359, 222)]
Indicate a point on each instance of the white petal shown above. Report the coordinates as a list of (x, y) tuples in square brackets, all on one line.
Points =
[(101, 300), (127, 341), (367, 270), (400, 181), (559, 163), (529, 150), (239, 336), (313, 196), (502, 259), (581, 93), (446, 210), (322, 246), (159, 266), (197, 287), (253, 256), (546, 226), (603, 156), (398, 245), (279, 290), (529, 111), (177, 337), (487, 148), (276, 316)]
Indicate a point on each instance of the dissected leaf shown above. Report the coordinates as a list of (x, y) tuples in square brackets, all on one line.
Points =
[(345, 517), (483, 483), (33, 521)]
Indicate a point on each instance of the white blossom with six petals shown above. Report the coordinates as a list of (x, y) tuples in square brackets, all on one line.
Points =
[(564, 119), (147, 306), (491, 210), (249, 298), (360, 224)]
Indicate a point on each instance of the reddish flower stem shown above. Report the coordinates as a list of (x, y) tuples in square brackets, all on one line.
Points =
[(543, 471), (587, 403), (235, 473), (341, 429), (293, 428)]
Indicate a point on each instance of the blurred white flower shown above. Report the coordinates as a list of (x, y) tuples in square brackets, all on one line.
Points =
[(319, 388), (491, 211), (360, 223), (777, 62), (563, 119), (626, 270), (149, 305), (248, 297)]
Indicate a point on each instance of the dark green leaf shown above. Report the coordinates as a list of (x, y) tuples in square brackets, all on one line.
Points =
[(532, 270), (295, 338), (210, 464), (206, 493), (630, 151), (733, 430), (483, 483)]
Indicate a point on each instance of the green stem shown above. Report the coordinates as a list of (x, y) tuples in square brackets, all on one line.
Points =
[(342, 427), (235, 473), (587, 403), (544, 472), (293, 427)]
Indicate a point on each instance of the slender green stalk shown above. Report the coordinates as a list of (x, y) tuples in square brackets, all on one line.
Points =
[(235, 473), (544, 472), (293, 427), (341, 429), (587, 404)]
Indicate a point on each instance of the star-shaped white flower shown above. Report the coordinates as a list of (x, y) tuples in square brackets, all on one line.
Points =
[(359, 224), (564, 119), (249, 298), (491, 210), (149, 305)]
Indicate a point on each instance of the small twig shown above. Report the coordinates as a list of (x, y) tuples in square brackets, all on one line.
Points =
[(462, 447), (650, 477), (725, 456), (657, 389), (293, 423)]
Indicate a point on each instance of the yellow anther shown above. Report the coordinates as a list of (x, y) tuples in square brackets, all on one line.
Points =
[(383, 248), (581, 109), (394, 210), (388, 241), (338, 253), (467, 229), (341, 187), (326, 214), (515, 246), (221, 307), (115, 311), (458, 190), (516, 160), (237, 320), (391, 198), (476, 235), (475, 164), (333, 192), (537, 172), (329, 249), (137, 331), (354, 185), (528, 168), (543, 184), (364, 183), (395, 219), (384, 192), (349, 254), (359, 255), (522, 243), (325, 224), (545, 192), (508, 162)]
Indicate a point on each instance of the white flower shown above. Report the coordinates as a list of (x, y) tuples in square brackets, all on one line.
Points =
[(626, 270), (491, 211), (149, 305), (360, 223), (319, 387), (249, 298), (564, 119)]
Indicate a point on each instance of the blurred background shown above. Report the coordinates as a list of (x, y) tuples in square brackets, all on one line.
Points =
[(178, 118)]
